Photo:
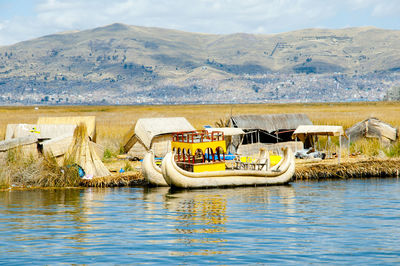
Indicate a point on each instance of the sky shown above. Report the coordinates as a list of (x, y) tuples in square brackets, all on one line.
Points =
[(27, 19)]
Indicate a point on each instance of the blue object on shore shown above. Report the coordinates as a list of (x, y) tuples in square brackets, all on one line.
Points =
[(81, 172), (121, 170), (156, 158)]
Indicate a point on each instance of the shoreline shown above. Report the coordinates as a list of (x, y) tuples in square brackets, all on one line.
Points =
[(362, 168), (305, 171)]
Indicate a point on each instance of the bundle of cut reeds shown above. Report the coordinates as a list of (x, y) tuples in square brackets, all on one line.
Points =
[(83, 153)]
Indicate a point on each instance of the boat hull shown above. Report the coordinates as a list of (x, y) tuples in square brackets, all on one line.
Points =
[(177, 177), (151, 172)]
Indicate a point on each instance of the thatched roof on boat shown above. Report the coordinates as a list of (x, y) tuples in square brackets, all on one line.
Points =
[(90, 122), (38, 131), (148, 128), (372, 128), (270, 122), (83, 152)]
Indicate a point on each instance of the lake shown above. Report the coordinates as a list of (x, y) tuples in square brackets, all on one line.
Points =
[(336, 222)]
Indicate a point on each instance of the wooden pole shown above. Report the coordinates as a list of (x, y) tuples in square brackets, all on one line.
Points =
[(340, 149), (348, 147)]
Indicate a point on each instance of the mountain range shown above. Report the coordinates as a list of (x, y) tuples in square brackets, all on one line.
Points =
[(129, 64)]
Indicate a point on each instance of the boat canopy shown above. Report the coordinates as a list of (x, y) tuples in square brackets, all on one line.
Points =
[(148, 128)]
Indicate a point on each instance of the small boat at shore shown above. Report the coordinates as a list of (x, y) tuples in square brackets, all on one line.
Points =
[(152, 172), (197, 160)]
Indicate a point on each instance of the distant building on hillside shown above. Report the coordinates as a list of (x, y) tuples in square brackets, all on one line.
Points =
[(393, 94)]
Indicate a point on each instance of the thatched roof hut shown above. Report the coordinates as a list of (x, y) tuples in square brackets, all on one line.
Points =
[(90, 122), (372, 128), (154, 133), (266, 129), (270, 122)]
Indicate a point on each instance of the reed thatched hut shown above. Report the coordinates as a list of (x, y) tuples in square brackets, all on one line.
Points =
[(55, 134), (155, 134), (372, 128), (271, 131)]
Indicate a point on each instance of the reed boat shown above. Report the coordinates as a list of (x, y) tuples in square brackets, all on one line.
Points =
[(197, 160), (152, 172)]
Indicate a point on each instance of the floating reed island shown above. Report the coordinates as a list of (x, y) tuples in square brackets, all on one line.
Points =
[(305, 171), (130, 179), (360, 168), (46, 150)]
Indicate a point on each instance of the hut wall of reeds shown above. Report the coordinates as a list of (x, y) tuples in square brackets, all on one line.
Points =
[(89, 121), (57, 146), (26, 145), (41, 132)]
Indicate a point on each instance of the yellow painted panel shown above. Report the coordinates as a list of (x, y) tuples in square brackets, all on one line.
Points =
[(202, 146), (208, 167), (275, 159)]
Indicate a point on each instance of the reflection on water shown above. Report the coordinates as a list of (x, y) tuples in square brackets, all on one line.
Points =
[(334, 222)]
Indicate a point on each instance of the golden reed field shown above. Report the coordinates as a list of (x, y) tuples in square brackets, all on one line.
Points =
[(113, 122)]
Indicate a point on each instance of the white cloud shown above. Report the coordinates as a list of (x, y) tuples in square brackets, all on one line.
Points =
[(379, 8), (210, 16), (389, 8)]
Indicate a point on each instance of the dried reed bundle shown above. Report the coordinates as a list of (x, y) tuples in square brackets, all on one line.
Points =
[(83, 153)]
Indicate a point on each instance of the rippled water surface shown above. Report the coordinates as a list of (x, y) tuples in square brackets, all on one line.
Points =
[(338, 222)]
